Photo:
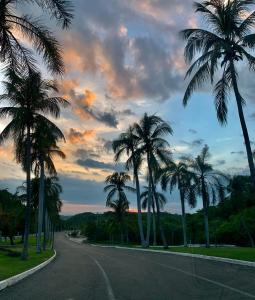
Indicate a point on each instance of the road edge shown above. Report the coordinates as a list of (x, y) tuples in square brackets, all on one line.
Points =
[(16, 278), (207, 257)]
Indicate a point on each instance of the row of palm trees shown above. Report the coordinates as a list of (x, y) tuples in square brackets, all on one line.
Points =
[(35, 136), (32, 99), (145, 148)]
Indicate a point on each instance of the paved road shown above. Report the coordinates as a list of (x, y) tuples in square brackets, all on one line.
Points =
[(94, 273)]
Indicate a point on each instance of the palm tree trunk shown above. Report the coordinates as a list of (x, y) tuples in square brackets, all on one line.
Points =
[(53, 236), (148, 214), (243, 124), (160, 227), (44, 227), (154, 225), (205, 209), (24, 254), (184, 227), (41, 205), (139, 208)]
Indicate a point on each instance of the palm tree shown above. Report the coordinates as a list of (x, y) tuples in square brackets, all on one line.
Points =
[(162, 201), (52, 205), (29, 101), (210, 184), (178, 175), (228, 43), (150, 131), (12, 50), (116, 188), (127, 143), (44, 149)]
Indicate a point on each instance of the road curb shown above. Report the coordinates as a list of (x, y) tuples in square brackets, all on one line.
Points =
[(213, 258), (14, 279)]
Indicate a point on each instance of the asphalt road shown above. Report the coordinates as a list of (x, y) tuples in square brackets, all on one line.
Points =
[(89, 272)]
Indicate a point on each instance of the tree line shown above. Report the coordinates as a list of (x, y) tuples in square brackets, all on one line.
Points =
[(231, 221)]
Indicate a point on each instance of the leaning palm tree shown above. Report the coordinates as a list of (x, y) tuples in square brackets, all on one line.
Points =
[(162, 201), (150, 131), (210, 184), (127, 144), (12, 50), (178, 175), (29, 102), (116, 198), (229, 41)]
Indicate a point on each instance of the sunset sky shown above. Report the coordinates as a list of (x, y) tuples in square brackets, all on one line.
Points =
[(125, 58)]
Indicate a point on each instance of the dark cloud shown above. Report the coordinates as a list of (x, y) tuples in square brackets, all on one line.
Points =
[(96, 164), (127, 112), (195, 143), (238, 152), (80, 191), (86, 153), (220, 162), (130, 63), (108, 146), (193, 131)]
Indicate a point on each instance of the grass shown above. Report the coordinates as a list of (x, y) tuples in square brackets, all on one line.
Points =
[(10, 266), (241, 253)]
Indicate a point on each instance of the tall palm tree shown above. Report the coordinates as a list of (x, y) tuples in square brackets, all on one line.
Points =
[(12, 50), (229, 42), (162, 201), (150, 131), (44, 149), (210, 184), (29, 102), (178, 175), (116, 188), (127, 144)]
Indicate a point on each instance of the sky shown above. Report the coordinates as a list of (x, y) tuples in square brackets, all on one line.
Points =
[(125, 58)]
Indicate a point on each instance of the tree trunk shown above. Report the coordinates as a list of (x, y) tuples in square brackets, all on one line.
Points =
[(184, 227), (243, 125), (154, 225), (205, 209), (161, 229), (139, 208), (24, 254), (53, 236), (44, 227), (149, 207), (41, 205)]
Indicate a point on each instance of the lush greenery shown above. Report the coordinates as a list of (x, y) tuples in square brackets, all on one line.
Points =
[(239, 253), (10, 256), (231, 222)]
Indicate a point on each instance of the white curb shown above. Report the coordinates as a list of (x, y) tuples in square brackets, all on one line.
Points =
[(214, 258), (14, 279)]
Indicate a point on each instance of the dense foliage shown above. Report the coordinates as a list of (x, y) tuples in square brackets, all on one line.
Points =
[(231, 221)]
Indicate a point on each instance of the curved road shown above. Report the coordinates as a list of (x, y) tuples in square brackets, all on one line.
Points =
[(88, 272)]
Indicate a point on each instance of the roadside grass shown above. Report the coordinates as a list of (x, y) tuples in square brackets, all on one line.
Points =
[(240, 253), (13, 265)]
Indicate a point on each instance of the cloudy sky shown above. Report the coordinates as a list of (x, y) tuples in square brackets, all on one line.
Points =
[(125, 58)]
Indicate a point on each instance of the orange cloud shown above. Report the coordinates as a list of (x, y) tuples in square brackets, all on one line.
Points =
[(88, 98), (76, 136)]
